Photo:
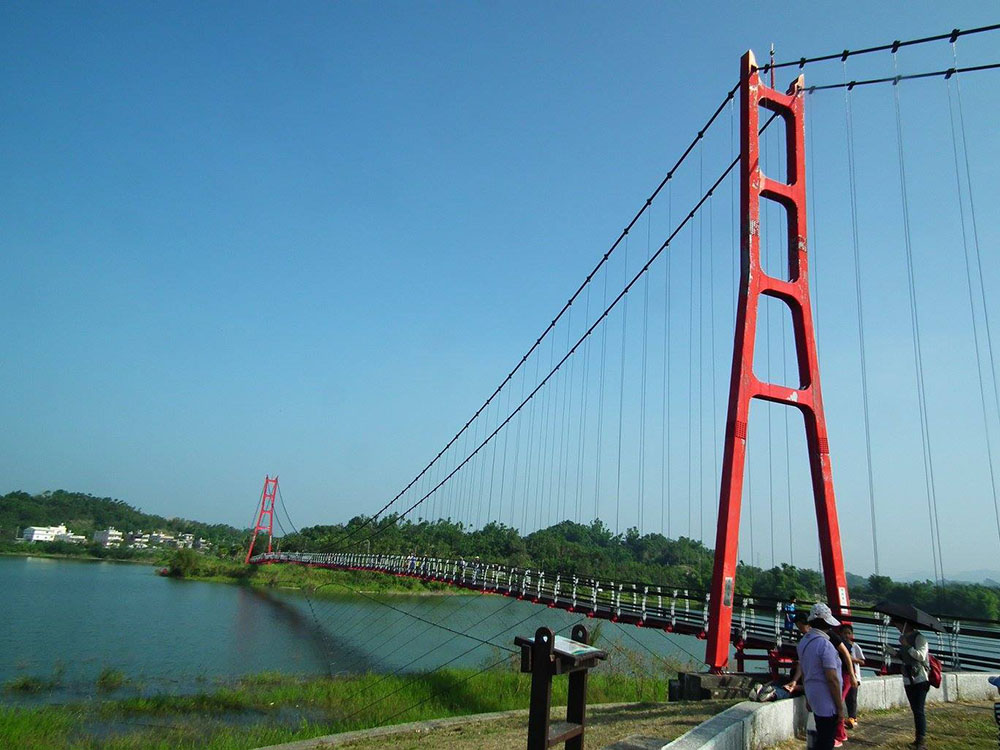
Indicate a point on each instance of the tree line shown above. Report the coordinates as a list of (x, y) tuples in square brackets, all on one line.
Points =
[(85, 514)]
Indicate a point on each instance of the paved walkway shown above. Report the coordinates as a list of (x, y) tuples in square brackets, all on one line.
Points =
[(605, 725), (951, 726)]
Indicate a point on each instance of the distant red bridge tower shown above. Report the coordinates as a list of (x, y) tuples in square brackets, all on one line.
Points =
[(267, 496)]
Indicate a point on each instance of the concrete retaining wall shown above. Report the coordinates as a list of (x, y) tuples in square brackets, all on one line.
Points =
[(753, 726)]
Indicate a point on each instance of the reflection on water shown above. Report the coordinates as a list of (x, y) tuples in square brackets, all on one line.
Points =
[(74, 618)]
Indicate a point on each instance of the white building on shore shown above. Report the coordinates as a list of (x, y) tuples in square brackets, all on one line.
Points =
[(51, 534), (108, 537)]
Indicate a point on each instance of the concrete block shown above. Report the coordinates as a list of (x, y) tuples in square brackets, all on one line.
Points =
[(895, 695), (974, 686), (724, 731), (754, 726), (949, 687), (871, 694), (773, 722)]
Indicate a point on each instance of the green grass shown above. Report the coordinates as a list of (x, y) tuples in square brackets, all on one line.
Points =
[(30, 684), (272, 708), (318, 581), (110, 680), (33, 684)]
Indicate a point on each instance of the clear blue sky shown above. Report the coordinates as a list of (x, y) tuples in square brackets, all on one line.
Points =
[(241, 238)]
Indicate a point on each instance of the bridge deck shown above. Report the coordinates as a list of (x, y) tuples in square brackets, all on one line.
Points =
[(757, 631)]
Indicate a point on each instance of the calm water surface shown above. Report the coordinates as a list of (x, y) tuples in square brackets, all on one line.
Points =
[(76, 618)]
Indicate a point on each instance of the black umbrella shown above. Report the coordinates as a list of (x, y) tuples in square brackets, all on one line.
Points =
[(909, 613)]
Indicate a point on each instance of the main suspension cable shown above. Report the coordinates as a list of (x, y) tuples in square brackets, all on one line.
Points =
[(624, 233), (946, 73), (621, 295), (950, 36)]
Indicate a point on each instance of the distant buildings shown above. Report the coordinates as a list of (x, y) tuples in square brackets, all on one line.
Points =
[(112, 537), (108, 537), (51, 534)]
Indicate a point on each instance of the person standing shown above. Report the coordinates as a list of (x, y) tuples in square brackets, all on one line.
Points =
[(914, 654), (821, 618), (819, 664), (789, 610), (995, 682), (858, 659)]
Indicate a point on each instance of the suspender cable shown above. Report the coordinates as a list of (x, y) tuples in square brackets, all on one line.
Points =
[(642, 387), (567, 411), (503, 466), (716, 466), (584, 398), (813, 255), (554, 452), (701, 352), (665, 476), (478, 499), (528, 456), (859, 299), (551, 399), (917, 351), (621, 402), (600, 408), (972, 310), (566, 388), (567, 405), (517, 449), (979, 262), (690, 398)]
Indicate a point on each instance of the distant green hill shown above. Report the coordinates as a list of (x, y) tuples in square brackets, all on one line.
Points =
[(83, 514)]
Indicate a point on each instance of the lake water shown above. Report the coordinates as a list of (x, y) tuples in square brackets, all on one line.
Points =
[(77, 618)]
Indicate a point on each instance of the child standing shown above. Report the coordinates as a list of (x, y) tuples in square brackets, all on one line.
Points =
[(858, 660), (789, 612)]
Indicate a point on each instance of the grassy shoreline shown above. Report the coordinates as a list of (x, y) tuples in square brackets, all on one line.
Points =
[(83, 558), (272, 708), (315, 581)]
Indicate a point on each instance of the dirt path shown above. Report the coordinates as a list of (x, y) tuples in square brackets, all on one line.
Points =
[(950, 726)]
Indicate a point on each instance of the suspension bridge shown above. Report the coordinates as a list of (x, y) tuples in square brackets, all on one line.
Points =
[(620, 409)]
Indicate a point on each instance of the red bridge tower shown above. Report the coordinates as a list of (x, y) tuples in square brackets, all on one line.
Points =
[(266, 509), (744, 385)]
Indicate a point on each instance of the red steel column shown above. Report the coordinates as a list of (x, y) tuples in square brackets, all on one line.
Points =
[(744, 385), (267, 496)]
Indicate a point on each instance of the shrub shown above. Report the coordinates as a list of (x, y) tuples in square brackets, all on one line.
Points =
[(183, 562), (109, 680)]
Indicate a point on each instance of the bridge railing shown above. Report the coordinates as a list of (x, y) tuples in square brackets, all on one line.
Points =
[(758, 624)]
